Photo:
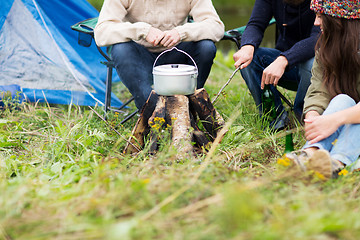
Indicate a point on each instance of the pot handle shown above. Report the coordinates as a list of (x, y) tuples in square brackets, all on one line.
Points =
[(169, 50)]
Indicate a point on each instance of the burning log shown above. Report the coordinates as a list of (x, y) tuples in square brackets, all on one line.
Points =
[(183, 114)]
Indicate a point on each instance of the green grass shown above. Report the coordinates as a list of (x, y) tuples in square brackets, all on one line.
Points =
[(63, 175)]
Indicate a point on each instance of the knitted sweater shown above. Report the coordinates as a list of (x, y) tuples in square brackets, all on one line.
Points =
[(297, 34), (127, 20)]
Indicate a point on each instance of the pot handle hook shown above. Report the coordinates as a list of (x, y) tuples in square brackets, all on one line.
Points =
[(169, 50)]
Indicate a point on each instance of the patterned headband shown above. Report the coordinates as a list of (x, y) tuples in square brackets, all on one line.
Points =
[(349, 9)]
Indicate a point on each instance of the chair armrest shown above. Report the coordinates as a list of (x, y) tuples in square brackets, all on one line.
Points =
[(85, 30), (86, 34), (86, 26)]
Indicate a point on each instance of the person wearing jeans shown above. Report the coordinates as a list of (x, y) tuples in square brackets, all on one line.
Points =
[(139, 64), (332, 108), (297, 79), (342, 144), (289, 63), (139, 30)]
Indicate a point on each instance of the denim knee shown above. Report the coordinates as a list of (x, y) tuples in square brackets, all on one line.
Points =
[(340, 102), (343, 100), (133, 64), (122, 51), (207, 50), (204, 56), (246, 73)]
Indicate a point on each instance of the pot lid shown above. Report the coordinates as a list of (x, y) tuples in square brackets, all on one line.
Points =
[(174, 69)]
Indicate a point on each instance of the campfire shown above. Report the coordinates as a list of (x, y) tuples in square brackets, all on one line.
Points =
[(193, 121)]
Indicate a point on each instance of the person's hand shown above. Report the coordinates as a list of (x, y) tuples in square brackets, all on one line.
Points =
[(310, 115), (170, 39), (273, 72), (319, 127), (244, 56), (154, 36)]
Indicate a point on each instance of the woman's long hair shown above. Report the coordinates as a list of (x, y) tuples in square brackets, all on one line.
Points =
[(337, 49)]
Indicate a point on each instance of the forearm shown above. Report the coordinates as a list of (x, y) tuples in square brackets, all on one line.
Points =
[(349, 116), (112, 27), (325, 125), (208, 29), (110, 33)]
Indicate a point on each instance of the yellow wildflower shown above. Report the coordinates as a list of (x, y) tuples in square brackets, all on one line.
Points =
[(156, 126), (159, 120), (343, 172), (284, 161)]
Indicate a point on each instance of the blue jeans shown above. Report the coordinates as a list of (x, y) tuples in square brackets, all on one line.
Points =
[(134, 64), (344, 144), (296, 78)]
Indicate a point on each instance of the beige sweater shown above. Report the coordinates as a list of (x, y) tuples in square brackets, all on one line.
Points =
[(126, 20)]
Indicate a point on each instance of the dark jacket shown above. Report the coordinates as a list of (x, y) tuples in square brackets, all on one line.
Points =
[(297, 34)]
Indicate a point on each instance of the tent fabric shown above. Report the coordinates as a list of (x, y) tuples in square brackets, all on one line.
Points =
[(40, 52), (10, 94)]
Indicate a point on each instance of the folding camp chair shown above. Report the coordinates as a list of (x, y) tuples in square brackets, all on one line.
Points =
[(235, 36), (85, 30)]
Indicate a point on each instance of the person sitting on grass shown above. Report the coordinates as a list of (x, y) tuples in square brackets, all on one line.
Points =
[(140, 30), (332, 108)]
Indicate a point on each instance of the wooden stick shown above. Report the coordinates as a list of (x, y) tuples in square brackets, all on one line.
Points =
[(128, 142)]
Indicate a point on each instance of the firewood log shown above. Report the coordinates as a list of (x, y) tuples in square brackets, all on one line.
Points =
[(178, 109), (142, 128)]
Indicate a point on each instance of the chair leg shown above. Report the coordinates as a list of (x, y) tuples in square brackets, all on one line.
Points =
[(287, 101), (108, 88), (110, 66), (129, 116), (126, 103)]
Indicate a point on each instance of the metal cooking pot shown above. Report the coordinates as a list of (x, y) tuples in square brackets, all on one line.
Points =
[(175, 79)]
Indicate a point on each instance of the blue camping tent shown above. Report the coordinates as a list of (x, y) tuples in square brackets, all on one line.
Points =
[(39, 52)]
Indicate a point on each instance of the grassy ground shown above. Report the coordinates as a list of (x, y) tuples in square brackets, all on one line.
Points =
[(63, 175)]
